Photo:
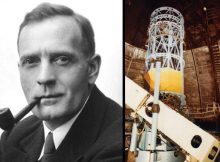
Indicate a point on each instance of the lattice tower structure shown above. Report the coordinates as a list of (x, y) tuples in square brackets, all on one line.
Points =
[(165, 44)]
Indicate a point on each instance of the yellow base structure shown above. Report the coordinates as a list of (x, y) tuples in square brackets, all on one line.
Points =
[(170, 80)]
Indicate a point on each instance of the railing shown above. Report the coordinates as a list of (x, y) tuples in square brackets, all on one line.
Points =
[(209, 112)]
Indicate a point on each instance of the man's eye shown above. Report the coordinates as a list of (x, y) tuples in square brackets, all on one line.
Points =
[(62, 60), (30, 61)]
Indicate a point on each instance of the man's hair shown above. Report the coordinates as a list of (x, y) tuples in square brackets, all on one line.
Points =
[(47, 10)]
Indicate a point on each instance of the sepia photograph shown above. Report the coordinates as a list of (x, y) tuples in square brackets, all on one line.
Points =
[(172, 80)]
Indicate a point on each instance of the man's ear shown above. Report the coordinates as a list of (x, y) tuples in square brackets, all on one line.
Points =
[(94, 65)]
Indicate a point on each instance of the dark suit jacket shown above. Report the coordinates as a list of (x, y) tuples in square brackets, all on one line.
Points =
[(95, 136)]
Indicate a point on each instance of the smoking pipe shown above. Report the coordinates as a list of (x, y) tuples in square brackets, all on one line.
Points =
[(7, 121)]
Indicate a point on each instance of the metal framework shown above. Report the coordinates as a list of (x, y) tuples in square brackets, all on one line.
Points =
[(166, 33)]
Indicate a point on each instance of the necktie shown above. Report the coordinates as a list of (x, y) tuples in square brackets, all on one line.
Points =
[(49, 149)]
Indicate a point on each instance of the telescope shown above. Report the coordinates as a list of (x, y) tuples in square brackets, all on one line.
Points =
[(7, 120)]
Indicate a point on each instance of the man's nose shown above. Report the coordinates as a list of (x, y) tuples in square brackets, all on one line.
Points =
[(46, 74)]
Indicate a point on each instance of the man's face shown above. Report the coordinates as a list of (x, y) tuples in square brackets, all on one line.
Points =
[(52, 66)]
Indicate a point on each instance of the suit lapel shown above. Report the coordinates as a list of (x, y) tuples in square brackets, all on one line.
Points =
[(25, 145), (33, 144)]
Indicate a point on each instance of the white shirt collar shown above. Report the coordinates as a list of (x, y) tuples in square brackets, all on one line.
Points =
[(60, 132)]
